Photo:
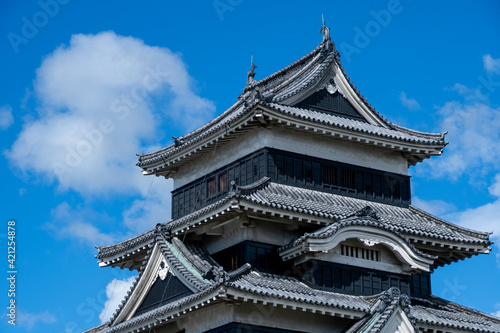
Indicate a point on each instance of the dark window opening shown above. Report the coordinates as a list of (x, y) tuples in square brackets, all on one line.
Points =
[(222, 182), (421, 285), (355, 280), (347, 178), (329, 175), (163, 292), (296, 170), (263, 257), (211, 187), (308, 172)]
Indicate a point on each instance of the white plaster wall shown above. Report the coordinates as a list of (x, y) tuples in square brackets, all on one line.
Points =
[(388, 261), (208, 317), (263, 232), (297, 142), (216, 315)]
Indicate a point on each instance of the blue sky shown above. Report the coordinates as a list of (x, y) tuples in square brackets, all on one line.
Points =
[(87, 85)]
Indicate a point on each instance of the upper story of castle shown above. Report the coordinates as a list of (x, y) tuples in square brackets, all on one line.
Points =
[(305, 125)]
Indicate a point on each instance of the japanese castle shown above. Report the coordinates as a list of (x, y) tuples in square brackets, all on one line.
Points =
[(291, 212)]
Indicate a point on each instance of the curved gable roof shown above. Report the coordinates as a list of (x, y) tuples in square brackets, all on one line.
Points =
[(283, 89)]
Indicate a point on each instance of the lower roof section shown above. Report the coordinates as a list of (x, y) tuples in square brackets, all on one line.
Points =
[(264, 293), (265, 199)]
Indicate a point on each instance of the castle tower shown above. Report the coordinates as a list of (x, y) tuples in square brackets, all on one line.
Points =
[(291, 212)]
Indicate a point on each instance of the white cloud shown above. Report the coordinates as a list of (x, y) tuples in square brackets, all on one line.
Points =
[(144, 214), (484, 217), (491, 64), (409, 103), (115, 292), (497, 313), (6, 117), (102, 99), (473, 127), (30, 320), (74, 224), (434, 207), (473, 133)]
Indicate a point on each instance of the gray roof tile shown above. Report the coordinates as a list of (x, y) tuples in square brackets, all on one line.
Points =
[(359, 126), (353, 221), (407, 221), (439, 312), (281, 85), (288, 288)]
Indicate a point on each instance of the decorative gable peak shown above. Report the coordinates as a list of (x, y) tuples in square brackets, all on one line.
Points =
[(313, 95)]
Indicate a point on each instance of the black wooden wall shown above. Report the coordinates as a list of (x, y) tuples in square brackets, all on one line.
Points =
[(296, 170)]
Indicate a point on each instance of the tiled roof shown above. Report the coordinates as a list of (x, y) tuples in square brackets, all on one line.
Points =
[(385, 304), (106, 251), (232, 114), (410, 222), (97, 328), (353, 221), (193, 216), (359, 126), (191, 260), (183, 262), (407, 221), (278, 87), (436, 311), (158, 312), (290, 289), (283, 75)]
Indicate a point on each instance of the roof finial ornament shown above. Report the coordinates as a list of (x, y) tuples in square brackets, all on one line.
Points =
[(251, 73), (325, 30)]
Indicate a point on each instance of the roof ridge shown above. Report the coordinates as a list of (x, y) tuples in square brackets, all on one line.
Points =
[(129, 293), (437, 135), (191, 134), (367, 221), (250, 188), (168, 249), (123, 245), (268, 78), (288, 110), (468, 310)]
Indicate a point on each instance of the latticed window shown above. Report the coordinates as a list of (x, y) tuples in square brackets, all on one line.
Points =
[(347, 178), (355, 280), (329, 175), (359, 252)]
